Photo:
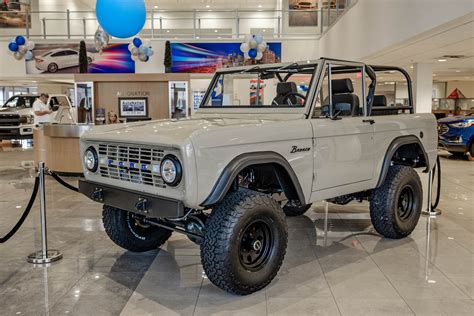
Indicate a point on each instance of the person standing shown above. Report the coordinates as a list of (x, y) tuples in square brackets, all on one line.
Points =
[(42, 110)]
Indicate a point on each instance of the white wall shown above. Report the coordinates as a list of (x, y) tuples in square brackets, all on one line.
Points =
[(373, 25)]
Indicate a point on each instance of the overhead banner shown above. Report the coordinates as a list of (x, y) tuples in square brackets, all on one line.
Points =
[(208, 57), (64, 58)]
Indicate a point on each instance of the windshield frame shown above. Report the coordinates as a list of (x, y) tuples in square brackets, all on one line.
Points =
[(264, 109)]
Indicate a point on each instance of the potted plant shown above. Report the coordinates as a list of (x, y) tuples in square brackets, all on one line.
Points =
[(168, 62), (83, 60)]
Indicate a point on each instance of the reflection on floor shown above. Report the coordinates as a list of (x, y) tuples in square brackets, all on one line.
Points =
[(351, 271)]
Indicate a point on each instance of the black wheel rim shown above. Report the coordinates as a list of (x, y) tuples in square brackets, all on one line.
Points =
[(406, 203), (256, 244)]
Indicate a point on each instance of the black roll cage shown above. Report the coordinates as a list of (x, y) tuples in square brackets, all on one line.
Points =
[(311, 67)]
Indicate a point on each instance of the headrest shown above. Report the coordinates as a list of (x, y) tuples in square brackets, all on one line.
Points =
[(342, 86), (284, 88), (379, 100)]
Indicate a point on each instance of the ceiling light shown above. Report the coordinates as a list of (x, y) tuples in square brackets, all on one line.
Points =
[(259, 5), (442, 60), (156, 7), (208, 6), (434, 75), (215, 31), (458, 70), (167, 31), (411, 67), (197, 37)]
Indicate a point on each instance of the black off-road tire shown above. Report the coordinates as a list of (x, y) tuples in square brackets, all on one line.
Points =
[(226, 246), (124, 230), (395, 207), (290, 209)]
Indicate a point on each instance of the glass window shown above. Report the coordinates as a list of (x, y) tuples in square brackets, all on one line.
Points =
[(277, 87), (12, 103)]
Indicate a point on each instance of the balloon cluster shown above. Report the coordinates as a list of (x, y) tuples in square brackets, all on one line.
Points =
[(140, 50), (253, 47), (101, 39), (21, 48)]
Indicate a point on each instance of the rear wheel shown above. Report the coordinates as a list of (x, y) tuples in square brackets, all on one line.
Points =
[(244, 243), (395, 207), (129, 231)]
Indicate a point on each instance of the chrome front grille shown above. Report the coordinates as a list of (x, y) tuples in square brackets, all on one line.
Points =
[(136, 164), (442, 129)]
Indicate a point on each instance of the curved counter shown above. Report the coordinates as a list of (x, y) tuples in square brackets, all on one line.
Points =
[(58, 146)]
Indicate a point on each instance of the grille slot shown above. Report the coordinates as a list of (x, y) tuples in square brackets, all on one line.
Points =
[(135, 164), (442, 129)]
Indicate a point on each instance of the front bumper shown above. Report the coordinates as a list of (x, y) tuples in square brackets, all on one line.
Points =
[(452, 147), (16, 132), (132, 201)]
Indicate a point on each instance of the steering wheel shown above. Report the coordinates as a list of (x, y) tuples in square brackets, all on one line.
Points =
[(289, 94)]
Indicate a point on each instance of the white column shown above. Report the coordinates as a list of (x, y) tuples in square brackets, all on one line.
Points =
[(423, 87)]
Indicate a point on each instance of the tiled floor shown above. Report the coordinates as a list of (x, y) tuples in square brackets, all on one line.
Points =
[(351, 271)]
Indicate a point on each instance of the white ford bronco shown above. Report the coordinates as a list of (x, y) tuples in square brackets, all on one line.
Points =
[(267, 141)]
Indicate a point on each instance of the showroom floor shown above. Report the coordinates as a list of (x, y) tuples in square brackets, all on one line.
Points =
[(352, 271)]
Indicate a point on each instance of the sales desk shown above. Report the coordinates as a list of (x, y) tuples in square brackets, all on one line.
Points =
[(57, 145)]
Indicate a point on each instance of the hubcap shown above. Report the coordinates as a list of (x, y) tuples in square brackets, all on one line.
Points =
[(406, 203), (255, 245)]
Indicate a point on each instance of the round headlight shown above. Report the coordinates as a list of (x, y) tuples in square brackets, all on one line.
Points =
[(91, 160), (171, 171)]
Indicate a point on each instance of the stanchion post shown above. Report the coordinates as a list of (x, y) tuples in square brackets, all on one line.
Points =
[(44, 255), (429, 211)]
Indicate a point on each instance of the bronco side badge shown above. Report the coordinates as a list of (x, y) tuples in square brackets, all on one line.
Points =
[(295, 149)]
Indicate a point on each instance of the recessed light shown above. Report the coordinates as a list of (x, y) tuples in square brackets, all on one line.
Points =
[(458, 70), (208, 6), (264, 30), (411, 67), (442, 60), (434, 75), (259, 5), (156, 7), (197, 37), (215, 31), (167, 31)]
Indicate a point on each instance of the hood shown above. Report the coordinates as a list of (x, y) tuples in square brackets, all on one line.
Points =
[(455, 119), (168, 132), (21, 111)]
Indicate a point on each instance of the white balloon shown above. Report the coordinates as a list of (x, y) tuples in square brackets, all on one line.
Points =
[(253, 44), (131, 46), (259, 56), (22, 49), (244, 47), (28, 55), (143, 57), (262, 47), (246, 55), (18, 55), (30, 45), (135, 51), (248, 38)]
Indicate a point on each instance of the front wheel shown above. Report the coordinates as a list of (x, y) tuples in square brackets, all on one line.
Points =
[(395, 207), (244, 243), (130, 232), (52, 68)]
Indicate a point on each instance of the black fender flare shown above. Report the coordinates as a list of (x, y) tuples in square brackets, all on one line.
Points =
[(230, 172), (393, 147)]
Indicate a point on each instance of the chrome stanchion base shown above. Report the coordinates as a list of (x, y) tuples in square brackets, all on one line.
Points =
[(38, 258), (431, 213)]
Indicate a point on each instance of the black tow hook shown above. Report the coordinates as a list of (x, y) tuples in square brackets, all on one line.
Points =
[(142, 205), (98, 195)]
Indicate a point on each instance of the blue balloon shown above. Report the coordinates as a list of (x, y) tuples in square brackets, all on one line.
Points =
[(13, 47), (252, 53), (121, 18), (143, 49), (20, 40), (137, 42), (259, 39), (28, 55)]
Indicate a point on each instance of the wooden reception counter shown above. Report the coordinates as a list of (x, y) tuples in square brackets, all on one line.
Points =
[(58, 146)]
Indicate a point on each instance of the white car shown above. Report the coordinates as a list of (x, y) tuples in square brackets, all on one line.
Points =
[(60, 58), (304, 5)]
